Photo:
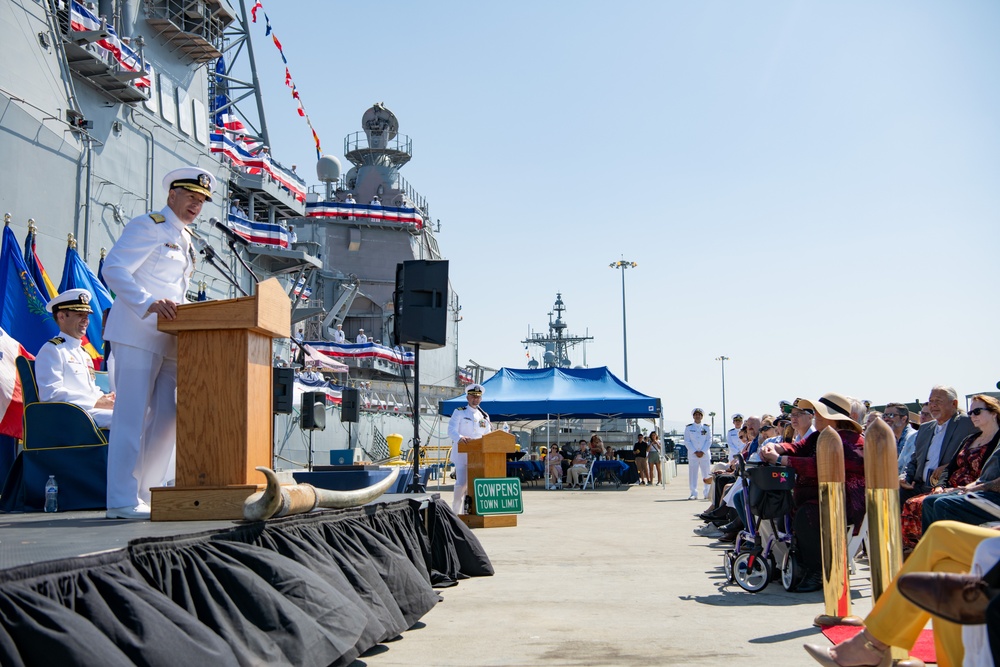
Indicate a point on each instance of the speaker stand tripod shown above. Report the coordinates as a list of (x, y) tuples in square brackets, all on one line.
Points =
[(415, 485)]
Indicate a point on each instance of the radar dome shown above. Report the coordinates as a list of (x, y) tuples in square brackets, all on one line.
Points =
[(328, 169)]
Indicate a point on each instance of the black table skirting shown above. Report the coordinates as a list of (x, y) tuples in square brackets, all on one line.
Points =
[(316, 589)]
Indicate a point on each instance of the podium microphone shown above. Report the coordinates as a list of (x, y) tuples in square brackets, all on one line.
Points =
[(228, 232)]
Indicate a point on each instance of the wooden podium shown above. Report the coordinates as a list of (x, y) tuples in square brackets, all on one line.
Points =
[(224, 394), (487, 457)]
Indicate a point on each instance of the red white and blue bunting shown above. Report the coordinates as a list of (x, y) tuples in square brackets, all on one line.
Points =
[(238, 154), (393, 214), (112, 47), (349, 351), (262, 233)]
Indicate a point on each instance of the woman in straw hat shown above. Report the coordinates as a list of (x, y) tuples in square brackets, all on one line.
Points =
[(830, 410)]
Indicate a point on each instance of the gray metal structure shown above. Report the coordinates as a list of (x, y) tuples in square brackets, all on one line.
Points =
[(558, 342)]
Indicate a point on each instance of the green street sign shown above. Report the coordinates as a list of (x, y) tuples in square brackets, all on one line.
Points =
[(498, 496)]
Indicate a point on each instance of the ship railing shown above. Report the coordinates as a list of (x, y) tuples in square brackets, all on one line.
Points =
[(358, 141)]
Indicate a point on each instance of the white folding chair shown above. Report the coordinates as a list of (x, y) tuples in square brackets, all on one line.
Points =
[(589, 479)]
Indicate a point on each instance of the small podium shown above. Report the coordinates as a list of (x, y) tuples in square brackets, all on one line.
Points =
[(487, 457), (224, 415)]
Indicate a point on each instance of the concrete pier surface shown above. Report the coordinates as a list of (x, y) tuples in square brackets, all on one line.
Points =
[(610, 577)]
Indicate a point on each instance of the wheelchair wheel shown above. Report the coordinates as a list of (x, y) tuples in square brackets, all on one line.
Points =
[(727, 565), (791, 573), (752, 572)]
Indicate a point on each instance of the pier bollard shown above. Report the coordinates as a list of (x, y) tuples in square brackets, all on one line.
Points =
[(833, 531), (885, 541)]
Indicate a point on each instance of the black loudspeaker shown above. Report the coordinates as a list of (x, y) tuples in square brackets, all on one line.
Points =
[(282, 381), (421, 305), (350, 405), (313, 411)]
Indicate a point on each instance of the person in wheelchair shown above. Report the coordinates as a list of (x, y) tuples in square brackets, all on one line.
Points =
[(64, 371), (839, 412)]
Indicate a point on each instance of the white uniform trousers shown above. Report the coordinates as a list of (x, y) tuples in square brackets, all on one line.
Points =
[(461, 481), (975, 637), (697, 470), (101, 416), (144, 427)]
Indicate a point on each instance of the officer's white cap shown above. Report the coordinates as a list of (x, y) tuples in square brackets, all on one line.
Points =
[(474, 389), (736, 416), (194, 179), (77, 300), (697, 410)]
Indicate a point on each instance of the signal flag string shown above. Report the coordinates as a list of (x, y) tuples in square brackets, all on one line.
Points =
[(288, 75)]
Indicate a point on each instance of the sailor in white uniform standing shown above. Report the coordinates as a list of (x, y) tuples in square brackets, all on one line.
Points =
[(698, 441), (468, 422), (733, 437), (338, 334), (149, 270), (63, 369)]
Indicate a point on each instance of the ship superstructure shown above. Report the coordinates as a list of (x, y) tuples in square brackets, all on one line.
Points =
[(100, 100)]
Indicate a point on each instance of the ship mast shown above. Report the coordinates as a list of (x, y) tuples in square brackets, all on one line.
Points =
[(557, 342)]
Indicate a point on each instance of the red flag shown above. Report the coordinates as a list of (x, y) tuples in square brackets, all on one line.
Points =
[(288, 78), (253, 12)]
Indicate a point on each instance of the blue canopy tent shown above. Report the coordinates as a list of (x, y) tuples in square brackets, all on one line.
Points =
[(551, 393), (515, 395)]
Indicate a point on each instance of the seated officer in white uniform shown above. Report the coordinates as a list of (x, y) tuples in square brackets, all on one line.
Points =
[(63, 369), (469, 422)]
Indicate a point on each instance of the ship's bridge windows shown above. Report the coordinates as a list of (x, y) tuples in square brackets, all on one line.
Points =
[(185, 122), (168, 108), (200, 122), (154, 91)]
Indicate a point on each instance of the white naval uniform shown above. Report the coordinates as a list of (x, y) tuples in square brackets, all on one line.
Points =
[(65, 373), (697, 438), (361, 339), (467, 422), (735, 444), (150, 261), (338, 336)]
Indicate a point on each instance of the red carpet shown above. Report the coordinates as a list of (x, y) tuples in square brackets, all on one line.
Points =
[(923, 649)]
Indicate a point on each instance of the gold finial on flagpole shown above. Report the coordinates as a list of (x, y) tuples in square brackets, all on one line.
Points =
[(6, 219), (71, 241), (32, 229), (104, 253)]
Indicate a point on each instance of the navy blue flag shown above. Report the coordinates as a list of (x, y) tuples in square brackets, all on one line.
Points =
[(22, 306)]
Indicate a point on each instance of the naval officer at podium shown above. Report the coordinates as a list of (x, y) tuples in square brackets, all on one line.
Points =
[(149, 270), (468, 422)]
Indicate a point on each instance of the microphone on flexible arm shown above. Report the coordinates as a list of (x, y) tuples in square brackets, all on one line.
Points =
[(210, 255), (234, 239), (228, 232)]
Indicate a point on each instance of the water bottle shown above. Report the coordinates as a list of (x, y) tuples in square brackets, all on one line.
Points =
[(51, 495)]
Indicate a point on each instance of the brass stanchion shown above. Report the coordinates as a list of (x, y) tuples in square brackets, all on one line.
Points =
[(885, 542), (833, 531)]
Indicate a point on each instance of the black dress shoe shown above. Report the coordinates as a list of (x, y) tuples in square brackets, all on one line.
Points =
[(959, 598), (732, 527), (812, 582), (729, 538)]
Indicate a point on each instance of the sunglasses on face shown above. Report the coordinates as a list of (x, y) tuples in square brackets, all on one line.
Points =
[(977, 411)]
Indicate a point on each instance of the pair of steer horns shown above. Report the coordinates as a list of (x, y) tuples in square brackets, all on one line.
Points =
[(277, 500)]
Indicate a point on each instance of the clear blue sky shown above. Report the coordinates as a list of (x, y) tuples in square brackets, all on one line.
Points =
[(811, 189)]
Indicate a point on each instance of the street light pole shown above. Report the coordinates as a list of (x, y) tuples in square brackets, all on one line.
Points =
[(712, 415), (622, 264), (723, 359)]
